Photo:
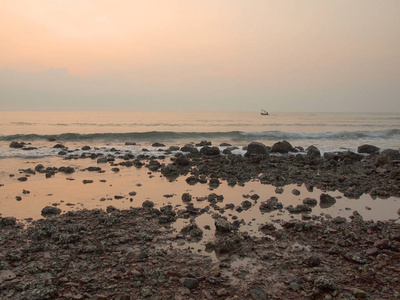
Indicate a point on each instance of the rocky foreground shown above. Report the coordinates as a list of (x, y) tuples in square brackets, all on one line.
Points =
[(133, 254), (136, 254)]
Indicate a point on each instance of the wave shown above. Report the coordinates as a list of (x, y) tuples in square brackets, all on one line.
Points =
[(228, 135)]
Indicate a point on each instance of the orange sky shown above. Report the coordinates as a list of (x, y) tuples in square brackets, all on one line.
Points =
[(296, 51)]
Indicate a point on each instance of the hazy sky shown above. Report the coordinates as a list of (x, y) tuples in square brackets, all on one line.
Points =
[(282, 55)]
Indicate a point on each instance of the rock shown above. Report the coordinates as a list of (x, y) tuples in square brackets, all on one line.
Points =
[(66, 170), (325, 284), (349, 156), (246, 204), (310, 201), (210, 151), (8, 221), (182, 160), (258, 293), (387, 156), (186, 197), (283, 147), (157, 144), (130, 143), (148, 204), (192, 180), (256, 148), (14, 144), (86, 148), (313, 152), (326, 200), (368, 149), (6, 275), (190, 283), (203, 143), (296, 192), (59, 146), (313, 261), (50, 210), (359, 294), (270, 205), (223, 226), (193, 230)]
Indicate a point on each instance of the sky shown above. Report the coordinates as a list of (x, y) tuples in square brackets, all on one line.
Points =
[(159, 55)]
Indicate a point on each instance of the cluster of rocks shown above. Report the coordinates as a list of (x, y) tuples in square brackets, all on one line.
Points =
[(133, 254)]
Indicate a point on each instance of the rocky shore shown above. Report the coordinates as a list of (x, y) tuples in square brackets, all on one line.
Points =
[(137, 254)]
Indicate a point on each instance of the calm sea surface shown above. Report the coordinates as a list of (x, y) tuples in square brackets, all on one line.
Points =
[(327, 131)]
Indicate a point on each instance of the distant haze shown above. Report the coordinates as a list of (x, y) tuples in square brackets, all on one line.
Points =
[(287, 55)]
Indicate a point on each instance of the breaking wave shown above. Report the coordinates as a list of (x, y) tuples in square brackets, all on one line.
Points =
[(228, 135)]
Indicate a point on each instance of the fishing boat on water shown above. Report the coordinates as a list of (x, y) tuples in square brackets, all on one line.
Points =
[(264, 112)]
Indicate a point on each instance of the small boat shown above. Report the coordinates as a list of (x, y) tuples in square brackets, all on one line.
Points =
[(264, 112)]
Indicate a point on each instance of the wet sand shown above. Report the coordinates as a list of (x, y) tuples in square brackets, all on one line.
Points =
[(256, 253)]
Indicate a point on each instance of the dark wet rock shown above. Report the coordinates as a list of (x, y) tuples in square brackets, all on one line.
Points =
[(310, 201), (350, 157), (387, 156), (326, 200), (86, 148), (130, 143), (8, 221), (296, 192), (324, 283), (225, 145), (356, 257), (246, 205), (214, 182), (223, 226), (66, 170), (192, 180), (148, 204), (300, 208), (190, 283), (59, 146), (256, 148), (313, 261), (193, 230), (313, 152), (282, 147), (270, 205), (203, 143), (368, 149), (102, 160), (22, 178), (15, 144), (182, 160), (50, 210), (170, 171), (258, 293), (210, 151), (86, 181), (157, 144)]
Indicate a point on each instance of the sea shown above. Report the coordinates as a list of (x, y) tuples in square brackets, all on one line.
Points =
[(326, 131)]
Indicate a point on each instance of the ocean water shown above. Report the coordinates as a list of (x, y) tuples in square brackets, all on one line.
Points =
[(327, 131)]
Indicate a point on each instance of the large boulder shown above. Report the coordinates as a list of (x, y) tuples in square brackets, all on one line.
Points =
[(210, 151), (368, 149), (387, 156), (222, 225), (313, 152), (50, 210), (256, 148), (283, 147), (326, 200), (14, 144)]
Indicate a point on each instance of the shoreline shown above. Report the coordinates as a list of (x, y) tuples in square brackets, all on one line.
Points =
[(194, 238)]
